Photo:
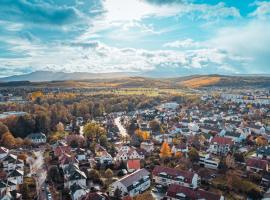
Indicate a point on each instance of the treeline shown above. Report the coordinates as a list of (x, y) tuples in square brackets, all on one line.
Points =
[(44, 112)]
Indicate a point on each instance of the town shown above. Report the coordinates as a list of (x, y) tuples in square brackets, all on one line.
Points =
[(213, 145)]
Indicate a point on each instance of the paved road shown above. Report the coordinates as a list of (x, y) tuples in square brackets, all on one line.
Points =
[(122, 130), (39, 172)]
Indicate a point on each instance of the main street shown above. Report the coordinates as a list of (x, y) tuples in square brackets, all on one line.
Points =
[(122, 130), (39, 172)]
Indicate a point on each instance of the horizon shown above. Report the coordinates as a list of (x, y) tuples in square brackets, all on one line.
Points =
[(159, 38)]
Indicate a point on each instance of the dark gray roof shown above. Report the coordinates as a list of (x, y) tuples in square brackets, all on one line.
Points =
[(264, 150), (136, 176)]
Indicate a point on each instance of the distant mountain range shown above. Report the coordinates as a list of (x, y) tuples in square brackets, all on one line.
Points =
[(45, 76), (129, 80)]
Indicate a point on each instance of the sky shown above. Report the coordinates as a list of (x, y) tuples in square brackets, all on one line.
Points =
[(151, 37)]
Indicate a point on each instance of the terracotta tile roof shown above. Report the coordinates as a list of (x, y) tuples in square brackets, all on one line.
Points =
[(175, 191), (133, 164), (173, 173)]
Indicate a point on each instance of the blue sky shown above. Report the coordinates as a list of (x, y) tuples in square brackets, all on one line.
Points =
[(156, 37)]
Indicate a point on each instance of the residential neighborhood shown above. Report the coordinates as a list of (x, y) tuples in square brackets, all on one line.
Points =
[(214, 148)]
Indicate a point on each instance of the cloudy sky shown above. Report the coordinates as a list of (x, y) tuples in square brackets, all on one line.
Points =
[(154, 37)]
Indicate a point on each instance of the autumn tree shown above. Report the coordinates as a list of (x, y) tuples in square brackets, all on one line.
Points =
[(8, 140), (155, 125), (93, 131), (261, 141), (60, 127), (144, 135), (193, 155), (144, 196), (230, 162), (165, 151), (3, 129), (108, 174)]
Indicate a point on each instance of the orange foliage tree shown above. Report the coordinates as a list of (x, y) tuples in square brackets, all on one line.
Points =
[(142, 134), (165, 151)]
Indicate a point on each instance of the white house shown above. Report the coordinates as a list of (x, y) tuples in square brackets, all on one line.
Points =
[(78, 191), (104, 158), (132, 184), (80, 154), (75, 176), (221, 145), (11, 162), (205, 160), (3, 152), (147, 146), (194, 127), (37, 138), (128, 153), (166, 176), (16, 176)]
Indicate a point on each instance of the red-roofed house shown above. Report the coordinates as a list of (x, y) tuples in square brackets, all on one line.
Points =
[(176, 192), (167, 176), (221, 145), (257, 165), (133, 165)]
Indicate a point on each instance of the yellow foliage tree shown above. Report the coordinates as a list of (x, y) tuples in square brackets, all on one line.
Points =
[(35, 95), (143, 134), (165, 151)]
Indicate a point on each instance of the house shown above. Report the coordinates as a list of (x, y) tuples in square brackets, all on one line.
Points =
[(148, 146), (80, 154), (221, 145), (205, 160), (78, 191), (11, 162), (37, 138), (133, 165), (257, 165), (6, 185), (61, 149), (183, 148), (16, 176), (176, 192), (132, 184), (3, 152), (167, 176), (257, 129), (127, 154), (75, 176), (263, 152), (66, 159), (103, 158), (194, 127)]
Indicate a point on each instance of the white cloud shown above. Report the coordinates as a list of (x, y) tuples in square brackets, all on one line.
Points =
[(262, 11), (95, 56), (187, 43), (122, 13), (249, 43)]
